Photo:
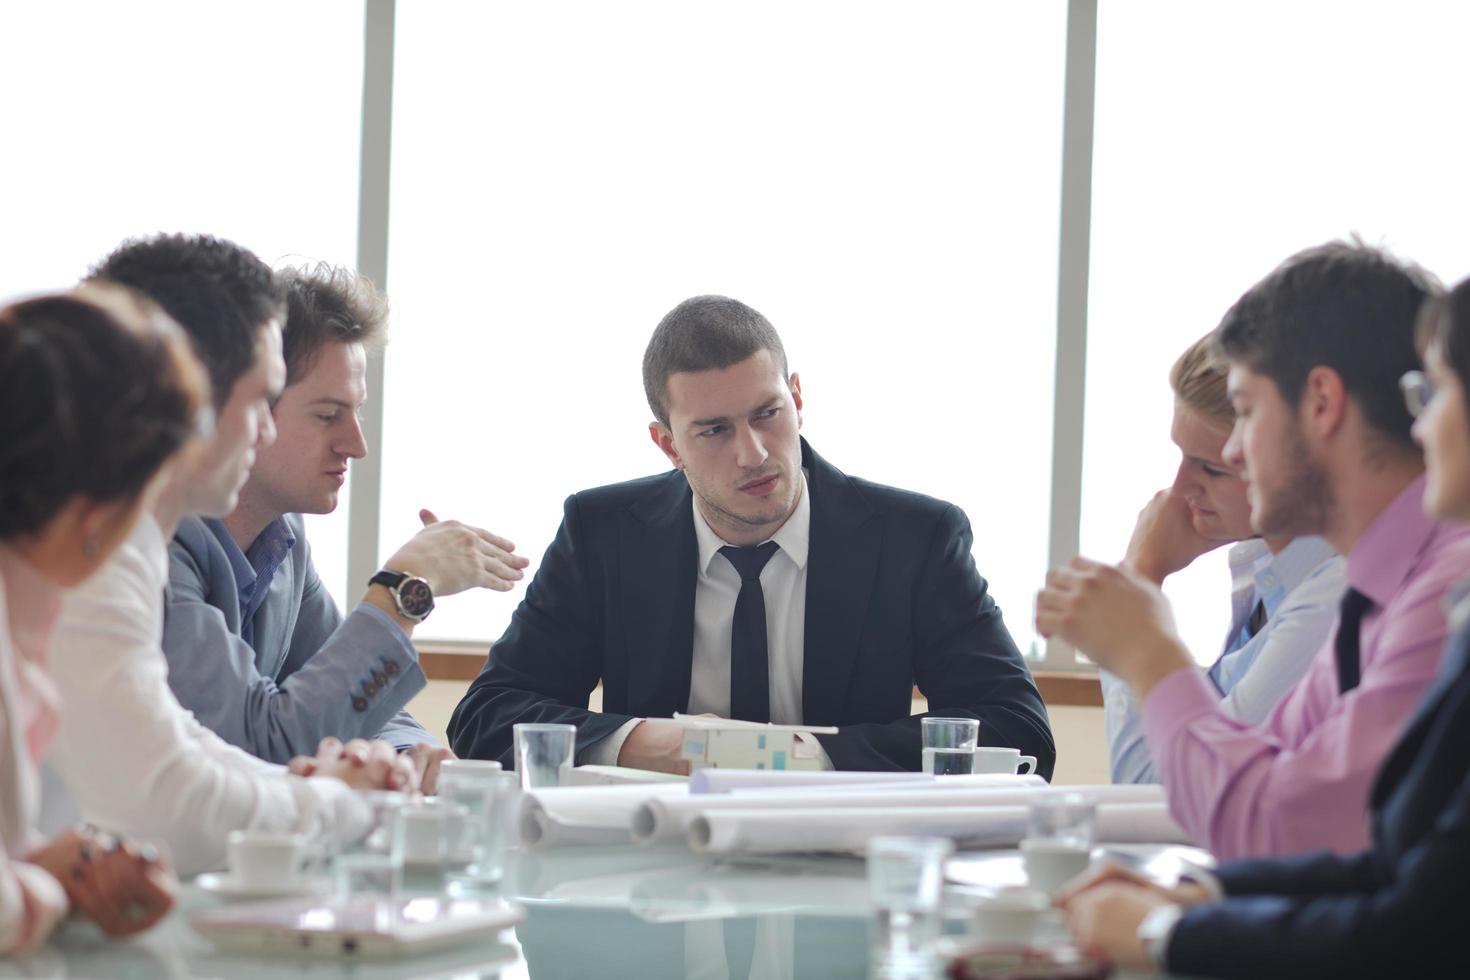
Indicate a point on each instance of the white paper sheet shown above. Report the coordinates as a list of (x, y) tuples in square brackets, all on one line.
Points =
[(586, 814), (669, 819), (775, 831)]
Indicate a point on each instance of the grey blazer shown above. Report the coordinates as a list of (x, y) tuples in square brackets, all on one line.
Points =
[(307, 673)]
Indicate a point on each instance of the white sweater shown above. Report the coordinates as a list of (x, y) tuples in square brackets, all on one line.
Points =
[(134, 760)]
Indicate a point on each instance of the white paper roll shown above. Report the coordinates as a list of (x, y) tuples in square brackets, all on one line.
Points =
[(586, 814), (669, 819), (776, 831)]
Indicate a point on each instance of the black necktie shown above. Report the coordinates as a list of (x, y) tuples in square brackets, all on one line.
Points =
[(750, 672), (1349, 669), (1258, 619)]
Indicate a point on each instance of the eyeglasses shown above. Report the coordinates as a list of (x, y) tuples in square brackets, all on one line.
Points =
[(1418, 392)]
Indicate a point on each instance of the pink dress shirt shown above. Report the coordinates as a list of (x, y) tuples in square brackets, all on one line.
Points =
[(1300, 780), (31, 901)]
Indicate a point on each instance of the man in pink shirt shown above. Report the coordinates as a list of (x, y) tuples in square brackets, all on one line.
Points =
[(1315, 351)]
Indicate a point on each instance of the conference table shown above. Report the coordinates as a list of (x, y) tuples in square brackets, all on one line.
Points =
[(606, 912)]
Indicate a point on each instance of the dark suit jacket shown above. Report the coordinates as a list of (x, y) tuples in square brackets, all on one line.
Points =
[(1394, 909), (893, 599)]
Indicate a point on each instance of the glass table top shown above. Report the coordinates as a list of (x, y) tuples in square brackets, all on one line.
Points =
[(599, 912)]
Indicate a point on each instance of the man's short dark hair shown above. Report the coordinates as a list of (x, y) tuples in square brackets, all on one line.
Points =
[(704, 333), (329, 304), (220, 293), (1343, 305)]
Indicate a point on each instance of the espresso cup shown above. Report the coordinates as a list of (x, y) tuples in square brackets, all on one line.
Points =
[(429, 832), (990, 758), (1050, 864), (266, 859), (1009, 915)]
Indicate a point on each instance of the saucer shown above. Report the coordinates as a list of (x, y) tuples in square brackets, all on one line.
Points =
[(226, 885)]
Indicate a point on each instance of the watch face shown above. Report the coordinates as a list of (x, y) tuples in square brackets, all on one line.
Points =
[(416, 598)]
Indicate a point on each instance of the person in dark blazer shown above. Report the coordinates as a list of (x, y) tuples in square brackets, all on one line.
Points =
[(1396, 907), (754, 581)]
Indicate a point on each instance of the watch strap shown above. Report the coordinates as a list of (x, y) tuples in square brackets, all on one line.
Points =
[(387, 577)]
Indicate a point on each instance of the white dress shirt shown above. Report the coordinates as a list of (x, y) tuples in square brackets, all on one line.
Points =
[(134, 761), (783, 584), (32, 902)]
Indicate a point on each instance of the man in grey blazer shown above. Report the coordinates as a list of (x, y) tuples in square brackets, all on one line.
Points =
[(257, 648)]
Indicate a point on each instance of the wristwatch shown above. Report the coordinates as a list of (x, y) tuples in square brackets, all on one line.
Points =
[(412, 595), (1155, 931)]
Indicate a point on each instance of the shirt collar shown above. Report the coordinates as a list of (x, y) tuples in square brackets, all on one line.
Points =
[(794, 537), (1457, 604), (1246, 561), (266, 552), (1292, 566), (1387, 551), (239, 564)]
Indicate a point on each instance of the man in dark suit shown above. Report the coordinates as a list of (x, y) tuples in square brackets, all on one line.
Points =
[(754, 581)]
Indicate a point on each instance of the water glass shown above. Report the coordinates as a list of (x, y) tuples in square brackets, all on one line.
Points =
[(1058, 847), (544, 753), (949, 745), (905, 877), (367, 873), (1063, 818), (491, 800), (384, 805)]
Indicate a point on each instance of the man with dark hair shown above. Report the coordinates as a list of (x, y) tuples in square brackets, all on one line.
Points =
[(257, 648), (223, 295), (1322, 439), (131, 758), (755, 581)]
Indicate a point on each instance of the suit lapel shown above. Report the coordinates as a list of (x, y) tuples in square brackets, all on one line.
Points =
[(659, 559), (842, 565)]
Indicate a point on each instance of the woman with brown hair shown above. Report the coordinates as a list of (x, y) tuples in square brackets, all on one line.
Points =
[(98, 393)]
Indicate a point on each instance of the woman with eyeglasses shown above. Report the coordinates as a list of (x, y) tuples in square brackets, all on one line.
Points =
[(1398, 906), (98, 393)]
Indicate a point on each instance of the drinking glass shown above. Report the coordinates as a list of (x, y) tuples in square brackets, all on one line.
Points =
[(543, 753), (1069, 818), (949, 745), (1058, 846), (905, 877), (491, 800)]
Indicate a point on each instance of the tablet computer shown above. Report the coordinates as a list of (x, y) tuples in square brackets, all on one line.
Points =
[(374, 927)]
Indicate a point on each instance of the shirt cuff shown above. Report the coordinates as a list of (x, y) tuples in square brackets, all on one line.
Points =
[(43, 904), (389, 625), (605, 751), (811, 746), (1196, 875)]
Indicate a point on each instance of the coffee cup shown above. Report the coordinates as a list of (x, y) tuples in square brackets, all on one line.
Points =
[(265, 859), (430, 832), (1009, 915), (1050, 864), (990, 758)]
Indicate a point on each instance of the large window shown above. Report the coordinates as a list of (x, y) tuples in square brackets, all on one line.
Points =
[(879, 179), (124, 119), (1230, 135)]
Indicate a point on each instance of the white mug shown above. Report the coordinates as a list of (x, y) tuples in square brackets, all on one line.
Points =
[(1010, 914), (260, 858), (1050, 864), (989, 758)]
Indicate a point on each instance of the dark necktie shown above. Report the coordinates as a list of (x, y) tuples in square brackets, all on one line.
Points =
[(750, 671), (1349, 667), (1257, 622)]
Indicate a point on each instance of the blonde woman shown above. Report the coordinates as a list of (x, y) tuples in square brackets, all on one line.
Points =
[(1284, 591)]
